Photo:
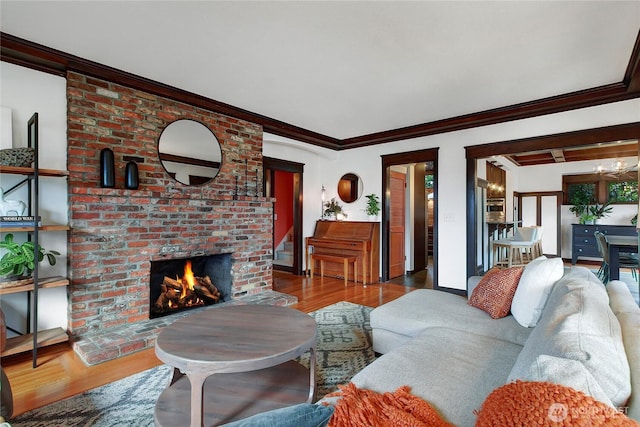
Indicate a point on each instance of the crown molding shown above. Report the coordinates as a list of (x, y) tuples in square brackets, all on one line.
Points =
[(33, 55)]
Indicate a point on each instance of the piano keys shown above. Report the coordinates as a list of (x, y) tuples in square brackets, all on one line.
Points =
[(354, 238)]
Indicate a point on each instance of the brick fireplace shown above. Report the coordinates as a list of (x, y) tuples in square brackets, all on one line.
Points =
[(181, 284), (117, 233)]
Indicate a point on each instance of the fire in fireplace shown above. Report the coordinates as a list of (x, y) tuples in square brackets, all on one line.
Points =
[(181, 284)]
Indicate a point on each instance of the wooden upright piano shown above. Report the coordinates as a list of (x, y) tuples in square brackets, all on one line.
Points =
[(356, 238)]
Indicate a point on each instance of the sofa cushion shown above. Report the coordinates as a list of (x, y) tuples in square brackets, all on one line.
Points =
[(453, 370), (578, 324), (568, 372), (495, 291), (526, 403), (620, 298), (412, 313), (536, 282), (628, 314)]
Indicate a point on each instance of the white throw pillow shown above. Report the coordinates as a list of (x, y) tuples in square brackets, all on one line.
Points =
[(536, 282)]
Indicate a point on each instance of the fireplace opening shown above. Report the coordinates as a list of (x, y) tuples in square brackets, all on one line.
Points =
[(182, 284)]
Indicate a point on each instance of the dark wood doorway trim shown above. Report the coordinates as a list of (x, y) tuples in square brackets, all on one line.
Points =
[(389, 160), (269, 166), (561, 140)]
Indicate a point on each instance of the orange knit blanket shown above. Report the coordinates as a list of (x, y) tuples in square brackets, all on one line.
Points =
[(366, 408)]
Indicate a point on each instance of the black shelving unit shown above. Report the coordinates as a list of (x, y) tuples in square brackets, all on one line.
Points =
[(32, 339)]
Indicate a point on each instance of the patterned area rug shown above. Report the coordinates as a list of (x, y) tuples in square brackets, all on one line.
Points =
[(344, 344), (344, 348)]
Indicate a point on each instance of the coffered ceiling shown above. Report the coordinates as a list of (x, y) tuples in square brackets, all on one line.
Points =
[(612, 150), (344, 74)]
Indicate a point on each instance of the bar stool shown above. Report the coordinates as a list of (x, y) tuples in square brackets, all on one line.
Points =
[(518, 250)]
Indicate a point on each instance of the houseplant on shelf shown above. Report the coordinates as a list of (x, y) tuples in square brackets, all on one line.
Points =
[(19, 260), (333, 209), (373, 206)]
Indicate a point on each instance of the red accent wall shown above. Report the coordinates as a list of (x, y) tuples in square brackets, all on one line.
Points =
[(283, 206)]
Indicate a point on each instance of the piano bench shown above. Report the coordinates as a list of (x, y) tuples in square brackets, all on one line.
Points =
[(345, 259)]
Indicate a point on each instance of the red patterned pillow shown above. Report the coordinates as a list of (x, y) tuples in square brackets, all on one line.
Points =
[(495, 291)]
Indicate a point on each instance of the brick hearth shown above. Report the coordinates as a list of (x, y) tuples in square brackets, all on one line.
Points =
[(116, 233), (117, 342)]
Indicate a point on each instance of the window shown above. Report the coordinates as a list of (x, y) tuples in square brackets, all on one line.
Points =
[(581, 192), (600, 188), (623, 192)]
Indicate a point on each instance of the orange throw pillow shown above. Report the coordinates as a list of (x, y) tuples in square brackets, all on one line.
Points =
[(529, 403), (495, 291)]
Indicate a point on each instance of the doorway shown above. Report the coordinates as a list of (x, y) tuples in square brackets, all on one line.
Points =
[(541, 209), (283, 182), (397, 224), (409, 213), (575, 139)]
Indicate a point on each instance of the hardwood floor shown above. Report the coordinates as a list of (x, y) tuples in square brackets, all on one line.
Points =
[(61, 373)]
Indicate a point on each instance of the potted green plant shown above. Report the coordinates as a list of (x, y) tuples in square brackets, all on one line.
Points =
[(373, 206), (600, 210), (333, 209), (587, 218), (19, 260)]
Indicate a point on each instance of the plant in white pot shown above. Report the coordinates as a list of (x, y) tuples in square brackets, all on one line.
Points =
[(333, 209), (373, 206), (20, 259), (600, 211)]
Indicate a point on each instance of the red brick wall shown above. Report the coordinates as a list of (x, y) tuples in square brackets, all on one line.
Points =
[(116, 233)]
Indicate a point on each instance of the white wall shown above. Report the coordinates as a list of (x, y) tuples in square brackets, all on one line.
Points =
[(366, 163), (26, 91)]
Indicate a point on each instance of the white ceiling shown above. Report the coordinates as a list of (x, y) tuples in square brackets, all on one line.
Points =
[(345, 69)]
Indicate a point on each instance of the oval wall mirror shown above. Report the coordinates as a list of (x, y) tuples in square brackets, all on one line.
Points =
[(189, 152), (349, 187)]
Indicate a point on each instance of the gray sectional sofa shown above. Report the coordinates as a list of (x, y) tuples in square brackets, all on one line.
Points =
[(453, 355)]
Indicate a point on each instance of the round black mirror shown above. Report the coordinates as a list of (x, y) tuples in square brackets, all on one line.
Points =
[(189, 152), (349, 187)]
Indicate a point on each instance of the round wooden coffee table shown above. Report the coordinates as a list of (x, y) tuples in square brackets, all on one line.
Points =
[(250, 349)]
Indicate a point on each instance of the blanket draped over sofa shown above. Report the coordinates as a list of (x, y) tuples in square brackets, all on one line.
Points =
[(359, 407)]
